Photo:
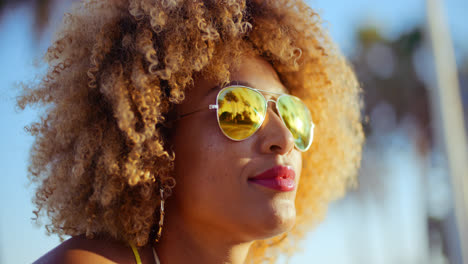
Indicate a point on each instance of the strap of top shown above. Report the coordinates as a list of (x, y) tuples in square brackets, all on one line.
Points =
[(135, 252)]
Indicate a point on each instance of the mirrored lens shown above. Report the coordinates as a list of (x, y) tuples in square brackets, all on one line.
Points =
[(298, 120), (240, 112)]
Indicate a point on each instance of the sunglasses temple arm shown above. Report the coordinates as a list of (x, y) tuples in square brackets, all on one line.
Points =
[(211, 107)]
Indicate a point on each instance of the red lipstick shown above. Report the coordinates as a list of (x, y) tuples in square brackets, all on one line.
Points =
[(280, 178)]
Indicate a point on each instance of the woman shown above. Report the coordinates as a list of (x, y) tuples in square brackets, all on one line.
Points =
[(183, 131)]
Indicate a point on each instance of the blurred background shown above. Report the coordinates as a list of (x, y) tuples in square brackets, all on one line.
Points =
[(404, 208)]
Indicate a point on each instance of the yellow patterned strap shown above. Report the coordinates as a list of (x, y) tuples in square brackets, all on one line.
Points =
[(135, 252)]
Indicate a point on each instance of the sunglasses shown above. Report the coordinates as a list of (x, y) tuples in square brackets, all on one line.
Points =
[(241, 110)]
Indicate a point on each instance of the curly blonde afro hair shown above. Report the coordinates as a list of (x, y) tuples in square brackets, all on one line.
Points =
[(116, 69)]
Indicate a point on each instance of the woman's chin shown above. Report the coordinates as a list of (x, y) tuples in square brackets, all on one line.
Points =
[(279, 219)]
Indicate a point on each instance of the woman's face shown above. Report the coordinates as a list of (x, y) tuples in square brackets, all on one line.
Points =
[(212, 172)]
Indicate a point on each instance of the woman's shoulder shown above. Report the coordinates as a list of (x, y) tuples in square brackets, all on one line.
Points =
[(79, 250)]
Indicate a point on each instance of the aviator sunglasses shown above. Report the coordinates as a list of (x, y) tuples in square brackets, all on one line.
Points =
[(241, 110)]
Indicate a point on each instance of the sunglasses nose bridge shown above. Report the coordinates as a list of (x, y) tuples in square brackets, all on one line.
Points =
[(274, 108), (270, 100)]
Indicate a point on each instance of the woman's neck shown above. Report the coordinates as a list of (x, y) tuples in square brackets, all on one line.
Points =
[(182, 242)]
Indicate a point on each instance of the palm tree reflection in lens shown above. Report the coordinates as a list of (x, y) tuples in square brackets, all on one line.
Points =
[(240, 112)]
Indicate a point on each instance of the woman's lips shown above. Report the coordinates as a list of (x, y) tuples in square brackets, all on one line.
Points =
[(280, 178)]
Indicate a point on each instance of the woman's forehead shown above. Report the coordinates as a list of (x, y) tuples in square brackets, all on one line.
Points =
[(256, 71), (253, 71), (215, 89)]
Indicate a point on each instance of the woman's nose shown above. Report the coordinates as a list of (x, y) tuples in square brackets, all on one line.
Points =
[(274, 135)]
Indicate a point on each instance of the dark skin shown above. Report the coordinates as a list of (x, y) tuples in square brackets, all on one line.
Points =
[(79, 250), (215, 213)]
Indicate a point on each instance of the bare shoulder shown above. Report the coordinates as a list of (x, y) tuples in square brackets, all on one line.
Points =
[(77, 250)]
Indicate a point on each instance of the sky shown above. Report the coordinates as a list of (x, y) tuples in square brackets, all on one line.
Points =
[(392, 17), (22, 242)]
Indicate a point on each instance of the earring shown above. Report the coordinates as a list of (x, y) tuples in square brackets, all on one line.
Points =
[(161, 215)]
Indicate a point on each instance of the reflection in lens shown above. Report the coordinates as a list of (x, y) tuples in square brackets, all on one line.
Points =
[(240, 112), (297, 118)]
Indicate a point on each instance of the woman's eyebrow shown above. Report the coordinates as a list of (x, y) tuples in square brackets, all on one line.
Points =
[(235, 82)]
